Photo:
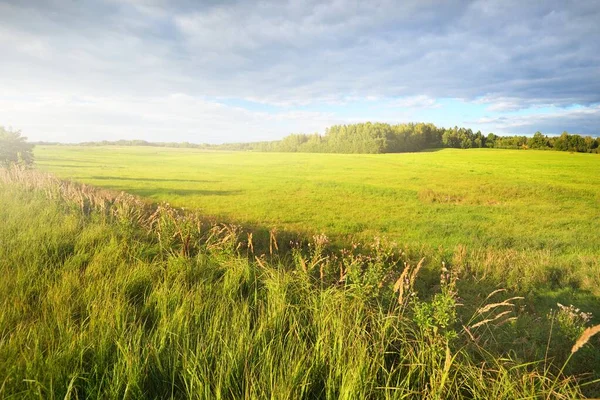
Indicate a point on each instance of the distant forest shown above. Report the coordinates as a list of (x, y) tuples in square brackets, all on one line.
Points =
[(373, 138)]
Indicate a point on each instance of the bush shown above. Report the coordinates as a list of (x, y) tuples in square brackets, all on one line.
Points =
[(14, 148)]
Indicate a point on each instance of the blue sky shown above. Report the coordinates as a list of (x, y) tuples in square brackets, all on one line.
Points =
[(223, 71)]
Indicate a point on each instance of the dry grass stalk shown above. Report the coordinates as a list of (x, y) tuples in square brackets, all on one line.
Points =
[(469, 333), (585, 337), (273, 241), (250, 243), (487, 321), (413, 276), (505, 303), (260, 263), (343, 273), (400, 284), (494, 292)]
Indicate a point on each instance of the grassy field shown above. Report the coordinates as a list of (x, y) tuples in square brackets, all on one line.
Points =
[(105, 297), (522, 217)]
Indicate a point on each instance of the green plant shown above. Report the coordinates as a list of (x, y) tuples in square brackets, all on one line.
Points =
[(14, 148)]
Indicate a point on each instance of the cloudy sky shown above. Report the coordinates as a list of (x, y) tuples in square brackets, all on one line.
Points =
[(222, 71)]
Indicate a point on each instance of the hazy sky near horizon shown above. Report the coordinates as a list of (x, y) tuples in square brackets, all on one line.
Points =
[(223, 71)]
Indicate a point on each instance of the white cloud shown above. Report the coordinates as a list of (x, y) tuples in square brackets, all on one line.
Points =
[(177, 117), (414, 102)]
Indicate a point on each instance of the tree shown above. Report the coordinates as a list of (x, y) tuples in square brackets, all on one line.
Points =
[(490, 141), (561, 143), (14, 148), (479, 140), (538, 141), (451, 138), (577, 143)]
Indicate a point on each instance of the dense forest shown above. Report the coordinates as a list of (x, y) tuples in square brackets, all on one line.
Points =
[(385, 138)]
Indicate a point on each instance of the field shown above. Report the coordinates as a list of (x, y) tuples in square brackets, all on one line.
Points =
[(104, 296), (524, 218)]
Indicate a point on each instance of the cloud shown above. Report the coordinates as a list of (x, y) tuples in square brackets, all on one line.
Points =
[(509, 55), (583, 120), (177, 117), (414, 102)]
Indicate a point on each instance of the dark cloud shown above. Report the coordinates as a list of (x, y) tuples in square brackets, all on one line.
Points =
[(508, 54), (541, 52)]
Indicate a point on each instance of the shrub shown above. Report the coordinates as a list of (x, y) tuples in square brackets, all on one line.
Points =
[(14, 148)]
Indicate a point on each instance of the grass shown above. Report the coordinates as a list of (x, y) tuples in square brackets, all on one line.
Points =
[(528, 219), (103, 296)]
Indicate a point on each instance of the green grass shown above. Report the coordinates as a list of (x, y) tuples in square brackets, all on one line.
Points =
[(524, 217), (124, 302)]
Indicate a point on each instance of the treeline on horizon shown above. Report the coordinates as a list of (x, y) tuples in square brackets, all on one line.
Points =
[(376, 138)]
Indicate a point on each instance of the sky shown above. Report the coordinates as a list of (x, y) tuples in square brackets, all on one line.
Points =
[(240, 71)]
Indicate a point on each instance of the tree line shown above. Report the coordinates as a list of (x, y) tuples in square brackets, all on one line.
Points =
[(370, 138), (385, 138)]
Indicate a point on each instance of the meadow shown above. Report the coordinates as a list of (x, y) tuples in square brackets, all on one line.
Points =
[(106, 296), (521, 218)]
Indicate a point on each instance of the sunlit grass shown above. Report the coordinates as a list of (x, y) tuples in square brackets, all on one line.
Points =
[(116, 302), (506, 207)]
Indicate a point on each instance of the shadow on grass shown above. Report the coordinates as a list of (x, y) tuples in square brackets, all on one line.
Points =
[(74, 160), (63, 165), (545, 299), (120, 178), (432, 150), (147, 193)]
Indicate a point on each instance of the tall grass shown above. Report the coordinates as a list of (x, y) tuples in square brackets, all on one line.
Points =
[(104, 296)]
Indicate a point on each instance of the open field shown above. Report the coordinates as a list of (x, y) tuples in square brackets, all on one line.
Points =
[(105, 297), (524, 217), (312, 200)]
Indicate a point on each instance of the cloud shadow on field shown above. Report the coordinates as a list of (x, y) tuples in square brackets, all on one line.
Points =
[(122, 178), (149, 192), (73, 160), (64, 165)]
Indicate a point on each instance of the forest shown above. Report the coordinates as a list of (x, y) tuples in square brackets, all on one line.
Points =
[(376, 138)]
